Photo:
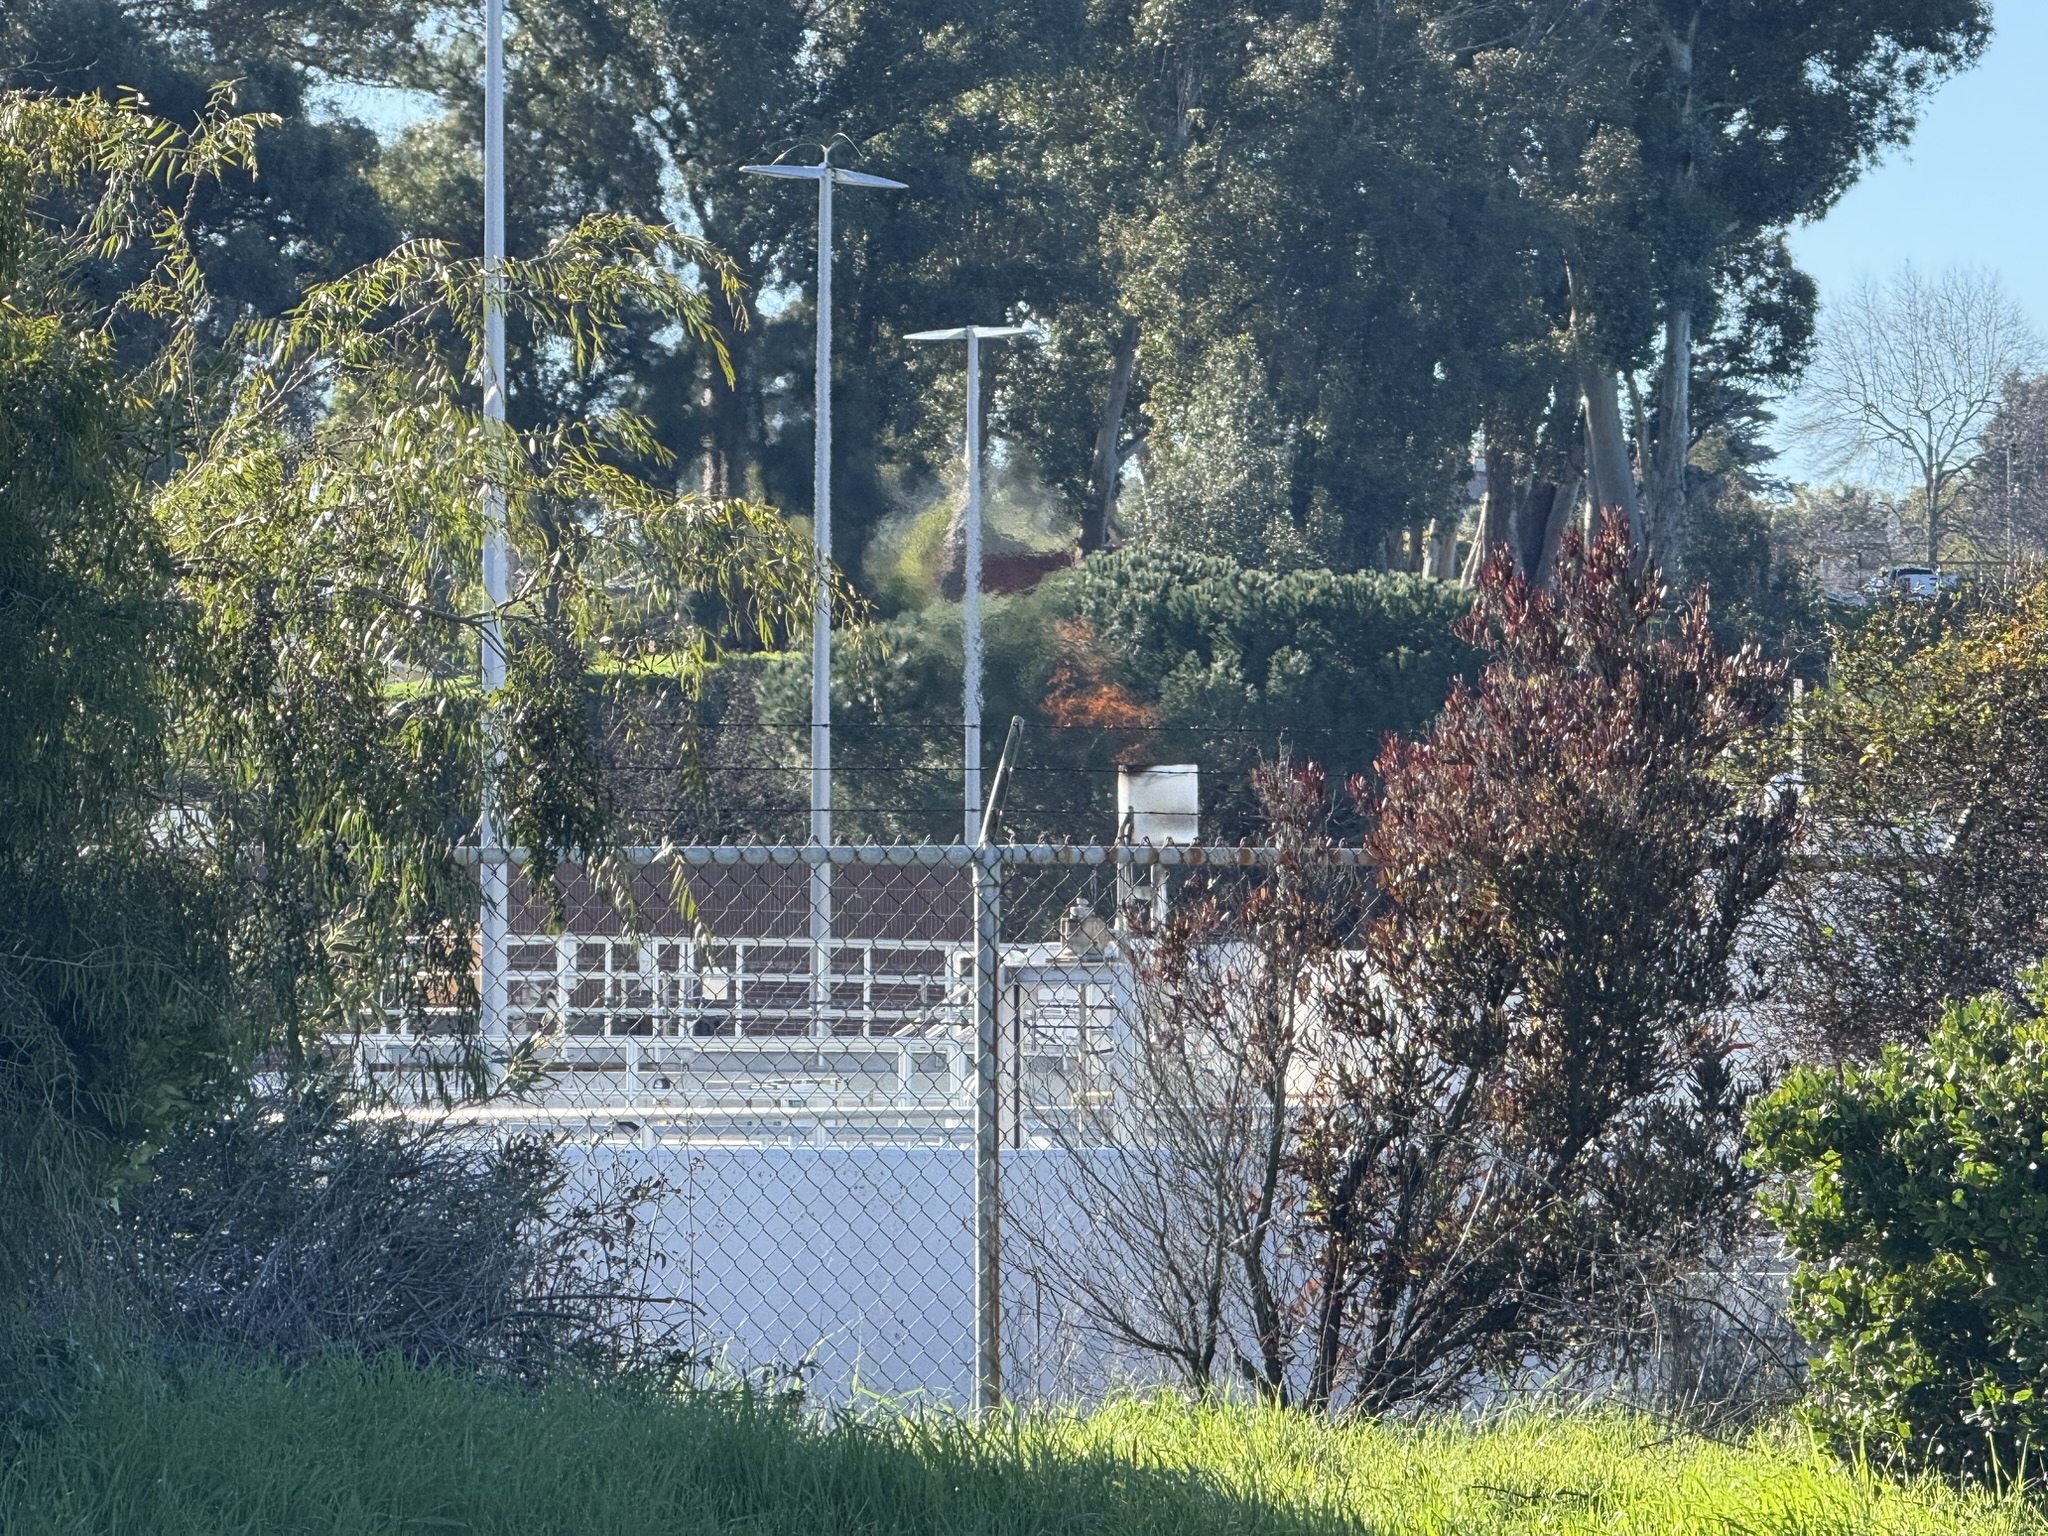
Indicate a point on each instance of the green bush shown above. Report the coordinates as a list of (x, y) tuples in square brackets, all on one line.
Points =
[(1154, 656), (1913, 1194)]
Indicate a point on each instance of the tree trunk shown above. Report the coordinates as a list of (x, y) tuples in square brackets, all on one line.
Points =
[(1607, 467), (1531, 524), (1099, 516), (1669, 507), (1495, 511), (1562, 507), (1442, 563)]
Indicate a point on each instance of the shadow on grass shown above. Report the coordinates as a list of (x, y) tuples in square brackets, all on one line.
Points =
[(351, 1447)]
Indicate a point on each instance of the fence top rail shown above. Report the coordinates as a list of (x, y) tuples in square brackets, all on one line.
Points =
[(958, 855)]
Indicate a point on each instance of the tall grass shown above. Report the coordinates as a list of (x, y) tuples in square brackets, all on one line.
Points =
[(347, 1447)]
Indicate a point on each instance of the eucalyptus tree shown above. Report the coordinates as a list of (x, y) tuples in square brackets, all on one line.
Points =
[(1347, 253), (1173, 194), (1674, 141), (246, 741), (314, 216)]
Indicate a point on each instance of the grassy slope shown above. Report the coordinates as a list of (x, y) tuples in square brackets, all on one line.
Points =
[(353, 1449)]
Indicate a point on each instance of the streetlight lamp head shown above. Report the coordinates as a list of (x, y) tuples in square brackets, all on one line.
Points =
[(819, 172), (863, 179), (964, 332)]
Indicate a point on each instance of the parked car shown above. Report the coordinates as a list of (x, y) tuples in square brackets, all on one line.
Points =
[(1920, 582)]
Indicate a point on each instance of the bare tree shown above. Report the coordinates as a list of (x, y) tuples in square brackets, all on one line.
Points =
[(1190, 1198), (1908, 377)]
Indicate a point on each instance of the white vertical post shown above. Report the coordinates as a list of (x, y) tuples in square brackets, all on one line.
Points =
[(821, 519), (970, 594), (988, 1134), (825, 174), (970, 598), (821, 631), (494, 871)]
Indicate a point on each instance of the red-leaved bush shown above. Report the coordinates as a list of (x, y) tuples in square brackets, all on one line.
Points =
[(1524, 1117)]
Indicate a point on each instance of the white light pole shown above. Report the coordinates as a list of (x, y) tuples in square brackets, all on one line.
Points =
[(826, 175), (494, 872), (988, 908), (970, 596)]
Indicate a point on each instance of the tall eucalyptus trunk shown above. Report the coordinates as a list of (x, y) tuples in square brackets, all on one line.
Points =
[(1670, 508), (1608, 470), (1106, 476), (1495, 510)]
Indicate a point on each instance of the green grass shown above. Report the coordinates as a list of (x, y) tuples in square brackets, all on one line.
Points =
[(352, 1448)]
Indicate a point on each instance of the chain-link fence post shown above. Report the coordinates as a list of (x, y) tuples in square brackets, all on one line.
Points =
[(988, 1237)]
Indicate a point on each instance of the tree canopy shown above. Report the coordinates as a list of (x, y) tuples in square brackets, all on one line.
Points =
[(1284, 262), (246, 742)]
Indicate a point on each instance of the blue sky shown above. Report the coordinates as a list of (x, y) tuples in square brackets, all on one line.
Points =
[(1972, 186), (1971, 189)]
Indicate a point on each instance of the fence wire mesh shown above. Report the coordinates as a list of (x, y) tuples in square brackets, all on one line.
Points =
[(879, 1100)]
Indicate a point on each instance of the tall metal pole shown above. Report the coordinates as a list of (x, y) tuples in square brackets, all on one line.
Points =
[(988, 1139), (970, 594), (825, 174), (821, 523), (821, 632), (970, 601), (494, 868)]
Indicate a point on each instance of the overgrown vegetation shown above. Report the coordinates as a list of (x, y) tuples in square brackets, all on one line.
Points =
[(1417, 1133), (296, 1224), (1928, 841), (349, 1448), (245, 743), (1459, 1116)]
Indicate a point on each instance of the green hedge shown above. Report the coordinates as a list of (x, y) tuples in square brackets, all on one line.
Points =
[(1915, 1195)]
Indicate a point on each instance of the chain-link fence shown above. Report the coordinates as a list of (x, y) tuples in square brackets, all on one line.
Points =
[(882, 1099)]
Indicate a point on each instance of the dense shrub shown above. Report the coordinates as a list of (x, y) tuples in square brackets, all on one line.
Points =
[(1472, 1110), (1926, 768), (1155, 656), (240, 741), (1913, 1194), (294, 1226), (1532, 1119)]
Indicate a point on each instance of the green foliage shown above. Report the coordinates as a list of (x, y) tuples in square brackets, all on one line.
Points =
[(110, 965), (242, 610), (1761, 595), (1924, 764), (343, 1447), (1913, 1195), (313, 215), (1230, 648), (1292, 256), (1151, 656)]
